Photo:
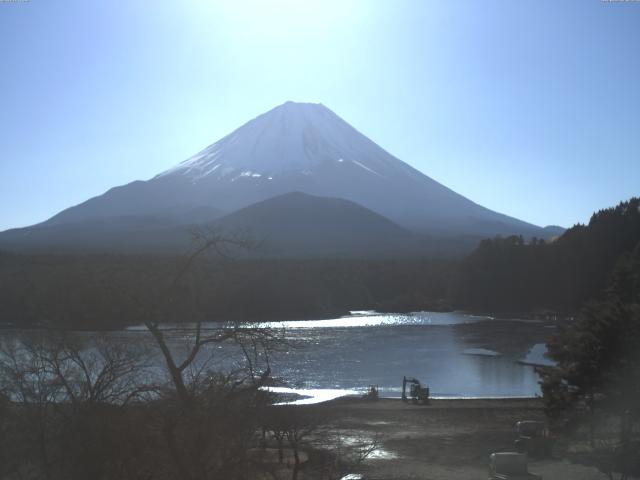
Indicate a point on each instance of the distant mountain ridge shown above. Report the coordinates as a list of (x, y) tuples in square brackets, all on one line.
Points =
[(297, 224), (295, 147)]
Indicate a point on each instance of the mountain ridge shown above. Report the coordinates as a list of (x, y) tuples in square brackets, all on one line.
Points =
[(298, 224)]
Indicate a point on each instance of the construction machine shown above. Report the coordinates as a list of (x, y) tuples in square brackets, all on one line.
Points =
[(417, 393), (372, 393)]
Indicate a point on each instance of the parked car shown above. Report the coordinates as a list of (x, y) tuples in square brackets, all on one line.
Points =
[(510, 466), (533, 438)]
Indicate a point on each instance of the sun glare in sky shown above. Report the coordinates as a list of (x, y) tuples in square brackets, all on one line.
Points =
[(281, 18), (536, 97)]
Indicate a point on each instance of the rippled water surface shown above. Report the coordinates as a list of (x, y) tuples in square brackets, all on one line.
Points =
[(328, 358), (353, 353)]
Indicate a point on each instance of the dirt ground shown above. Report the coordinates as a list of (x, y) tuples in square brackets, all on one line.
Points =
[(448, 439)]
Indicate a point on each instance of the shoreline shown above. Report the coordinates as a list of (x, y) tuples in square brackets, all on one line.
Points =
[(394, 403), (321, 396), (449, 438), (495, 316)]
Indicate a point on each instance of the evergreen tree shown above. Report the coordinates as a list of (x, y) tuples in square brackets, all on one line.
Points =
[(597, 356)]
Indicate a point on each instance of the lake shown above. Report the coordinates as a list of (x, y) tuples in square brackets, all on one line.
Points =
[(349, 354), (455, 354)]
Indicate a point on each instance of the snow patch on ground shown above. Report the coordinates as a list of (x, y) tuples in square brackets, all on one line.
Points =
[(536, 356), (312, 395), (365, 167), (480, 351)]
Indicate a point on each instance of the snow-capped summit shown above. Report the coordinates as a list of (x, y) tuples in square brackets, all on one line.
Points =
[(298, 147)]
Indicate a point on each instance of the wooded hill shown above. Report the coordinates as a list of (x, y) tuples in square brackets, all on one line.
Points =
[(109, 291), (513, 275)]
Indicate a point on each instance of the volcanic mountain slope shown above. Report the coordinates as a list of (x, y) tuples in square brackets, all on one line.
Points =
[(290, 225), (307, 148), (297, 224), (296, 147), (114, 234)]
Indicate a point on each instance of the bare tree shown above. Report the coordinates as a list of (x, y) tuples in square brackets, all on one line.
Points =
[(223, 246), (87, 411), (201, 441), (66, 396)]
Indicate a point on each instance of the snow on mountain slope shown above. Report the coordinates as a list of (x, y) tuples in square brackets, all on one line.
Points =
[(294, 138)]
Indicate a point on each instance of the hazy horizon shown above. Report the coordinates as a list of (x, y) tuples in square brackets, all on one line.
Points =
[(528, 108)]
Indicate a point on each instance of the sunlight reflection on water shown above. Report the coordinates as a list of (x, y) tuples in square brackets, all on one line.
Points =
[(360, 318), (377, 319), (452, 352)]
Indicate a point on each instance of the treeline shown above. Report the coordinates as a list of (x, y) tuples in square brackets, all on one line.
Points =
[(110, 291), (515, 275), (503, 275)]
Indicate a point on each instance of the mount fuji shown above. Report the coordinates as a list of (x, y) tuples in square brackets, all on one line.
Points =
[(295, 147)]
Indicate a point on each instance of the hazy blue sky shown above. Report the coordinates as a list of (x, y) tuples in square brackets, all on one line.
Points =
[(531, 108)]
